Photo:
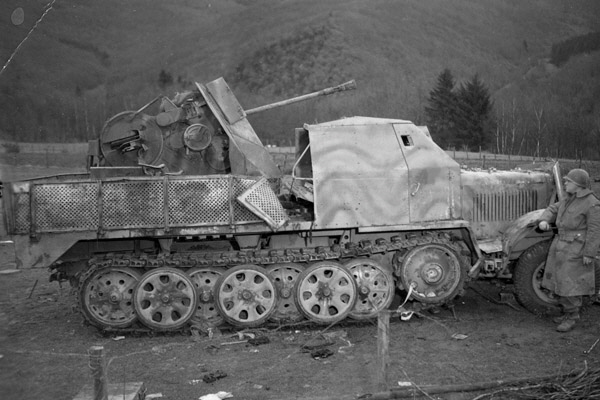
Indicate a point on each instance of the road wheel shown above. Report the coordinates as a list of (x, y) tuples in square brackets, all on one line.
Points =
[(205, 279), (375, 287), (165, 299), (246, 296), (284, 276), (325, 292)]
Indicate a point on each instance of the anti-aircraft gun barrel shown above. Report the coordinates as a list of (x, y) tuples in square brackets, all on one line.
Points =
[(350, 85)]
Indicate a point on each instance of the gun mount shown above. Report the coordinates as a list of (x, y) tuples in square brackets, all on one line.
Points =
[(199, 132)]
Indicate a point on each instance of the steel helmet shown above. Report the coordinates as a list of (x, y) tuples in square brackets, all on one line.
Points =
[(579, 177)]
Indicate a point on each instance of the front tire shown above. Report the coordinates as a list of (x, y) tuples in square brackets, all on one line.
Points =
[(527, 277)]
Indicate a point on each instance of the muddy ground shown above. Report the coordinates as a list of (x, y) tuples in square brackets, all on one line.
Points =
[(44, 344)]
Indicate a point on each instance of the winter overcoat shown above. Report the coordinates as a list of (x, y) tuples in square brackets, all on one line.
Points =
[(577, 218)]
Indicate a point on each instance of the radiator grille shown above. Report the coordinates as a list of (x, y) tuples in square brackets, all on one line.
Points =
[(504, 206)]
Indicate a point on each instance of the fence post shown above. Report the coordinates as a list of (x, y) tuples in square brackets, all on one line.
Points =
[(383, 354), (98, 368)]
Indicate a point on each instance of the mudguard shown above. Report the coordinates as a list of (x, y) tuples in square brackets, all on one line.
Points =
[(522, 234)]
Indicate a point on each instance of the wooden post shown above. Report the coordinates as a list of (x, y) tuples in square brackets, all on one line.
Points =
[(383, 355), (101, 389), (98, 367)]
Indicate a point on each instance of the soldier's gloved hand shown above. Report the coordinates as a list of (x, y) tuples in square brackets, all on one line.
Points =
[(544, 226), (588, 260)]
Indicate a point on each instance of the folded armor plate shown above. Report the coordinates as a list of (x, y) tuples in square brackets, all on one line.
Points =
[(262, 201)]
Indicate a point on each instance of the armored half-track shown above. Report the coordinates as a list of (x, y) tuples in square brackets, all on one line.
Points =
[(184, 218)]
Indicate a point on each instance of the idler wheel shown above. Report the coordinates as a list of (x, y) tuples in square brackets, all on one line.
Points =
[(106, 297)]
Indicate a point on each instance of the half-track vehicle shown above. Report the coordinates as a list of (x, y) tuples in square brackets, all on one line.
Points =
[(184, 218)]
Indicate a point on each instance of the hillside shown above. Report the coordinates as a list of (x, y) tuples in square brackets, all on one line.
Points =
[(88, 60)]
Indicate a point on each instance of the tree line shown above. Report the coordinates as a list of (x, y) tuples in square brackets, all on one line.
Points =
[(463, 116), (555, 120), (563, 51)]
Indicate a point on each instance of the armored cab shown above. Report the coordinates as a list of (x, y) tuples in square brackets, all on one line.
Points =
[(371, 172)]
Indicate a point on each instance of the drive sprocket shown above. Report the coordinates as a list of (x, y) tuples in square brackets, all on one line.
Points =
[(433, 271)]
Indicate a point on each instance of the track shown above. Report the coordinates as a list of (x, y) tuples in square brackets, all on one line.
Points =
[(249, 289)]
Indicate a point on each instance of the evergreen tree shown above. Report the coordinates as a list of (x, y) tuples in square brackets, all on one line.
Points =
[(473, 118), (441, 110)]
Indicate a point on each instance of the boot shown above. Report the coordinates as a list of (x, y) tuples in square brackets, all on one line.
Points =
[(559, 319), (568, 322)]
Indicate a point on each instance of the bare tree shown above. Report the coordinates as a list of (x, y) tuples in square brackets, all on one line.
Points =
[(540, 128), (507, 127)]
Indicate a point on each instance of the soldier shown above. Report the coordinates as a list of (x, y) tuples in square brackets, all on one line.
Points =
[(569, 271)]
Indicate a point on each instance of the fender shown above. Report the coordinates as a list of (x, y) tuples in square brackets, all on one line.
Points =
[(522, 234)]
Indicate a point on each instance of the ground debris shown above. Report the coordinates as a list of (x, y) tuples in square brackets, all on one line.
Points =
[(459, 336), (315, 343), (577, 385), (213, 376), (259, 340), (216, 396), (9, 271), (321, 353)]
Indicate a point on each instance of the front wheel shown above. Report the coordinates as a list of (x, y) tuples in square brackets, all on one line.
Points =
[(528, 275)]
